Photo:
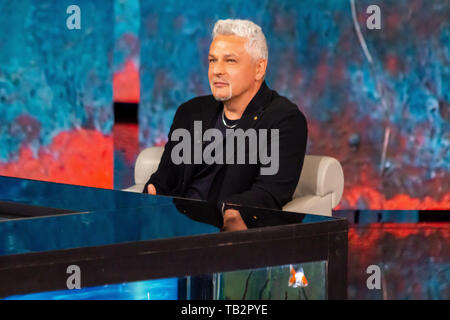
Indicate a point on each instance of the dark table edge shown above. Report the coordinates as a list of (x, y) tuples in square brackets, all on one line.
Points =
[(192, 255)]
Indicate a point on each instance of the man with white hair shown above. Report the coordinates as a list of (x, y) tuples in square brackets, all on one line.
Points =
[(240, 99)]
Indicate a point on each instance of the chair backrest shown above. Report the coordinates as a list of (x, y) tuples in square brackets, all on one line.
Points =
[(321, 176)]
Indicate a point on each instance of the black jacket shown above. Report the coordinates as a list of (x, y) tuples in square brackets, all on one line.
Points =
[(241, 183)]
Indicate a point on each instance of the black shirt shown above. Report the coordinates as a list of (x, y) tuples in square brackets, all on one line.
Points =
[(205, 173)]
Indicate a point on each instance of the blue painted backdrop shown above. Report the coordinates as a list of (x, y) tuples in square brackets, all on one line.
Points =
[(56, 91), (387, 121)]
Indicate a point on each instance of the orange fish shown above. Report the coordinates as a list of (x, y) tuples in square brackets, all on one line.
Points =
[(297, 279)]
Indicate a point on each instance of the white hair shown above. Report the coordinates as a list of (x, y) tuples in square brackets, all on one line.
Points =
[(256, 44)]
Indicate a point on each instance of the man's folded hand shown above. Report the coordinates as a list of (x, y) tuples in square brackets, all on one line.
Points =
[(232, 221), (151, 189)]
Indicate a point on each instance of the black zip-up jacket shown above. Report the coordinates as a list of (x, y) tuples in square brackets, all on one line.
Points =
[(240, 183)]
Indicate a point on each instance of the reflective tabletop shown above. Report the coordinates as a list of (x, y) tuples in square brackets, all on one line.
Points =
[(70, 216)]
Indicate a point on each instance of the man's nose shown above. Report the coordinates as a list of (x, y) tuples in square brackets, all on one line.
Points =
[(218, 68)]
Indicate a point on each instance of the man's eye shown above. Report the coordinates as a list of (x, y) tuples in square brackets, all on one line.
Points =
[(211, 60), (231, 60)]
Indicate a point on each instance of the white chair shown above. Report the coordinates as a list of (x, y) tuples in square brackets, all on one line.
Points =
[(318, 191)]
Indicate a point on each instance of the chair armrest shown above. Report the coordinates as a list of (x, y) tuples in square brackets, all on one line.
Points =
[(310, 204), (136, 188), (146, 164)]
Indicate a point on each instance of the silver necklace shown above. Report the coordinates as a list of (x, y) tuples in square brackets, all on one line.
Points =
[(225, 124)]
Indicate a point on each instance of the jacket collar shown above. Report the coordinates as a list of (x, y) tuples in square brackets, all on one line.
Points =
[(256, 106), (261, 99)]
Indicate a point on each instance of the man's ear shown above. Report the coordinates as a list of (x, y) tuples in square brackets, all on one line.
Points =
[(261, 66)]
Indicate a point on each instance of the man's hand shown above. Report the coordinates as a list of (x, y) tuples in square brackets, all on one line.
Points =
[(232, 221), (151, 189)]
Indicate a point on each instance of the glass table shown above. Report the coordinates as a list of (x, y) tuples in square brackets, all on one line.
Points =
[(123, 245)]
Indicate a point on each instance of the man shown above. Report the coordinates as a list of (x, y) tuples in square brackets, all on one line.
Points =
[(240, 99)]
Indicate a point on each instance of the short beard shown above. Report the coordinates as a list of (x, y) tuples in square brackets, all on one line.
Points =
[(225, 98)]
